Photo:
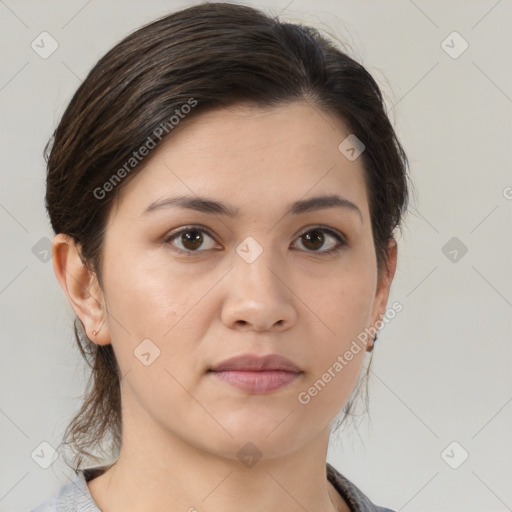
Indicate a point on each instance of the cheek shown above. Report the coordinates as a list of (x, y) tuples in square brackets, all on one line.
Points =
[(345, 300), (149, 299), (344, 343), (345, 310), (146, 296)]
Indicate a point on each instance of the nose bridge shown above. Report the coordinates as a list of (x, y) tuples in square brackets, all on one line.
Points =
[(257, 263), (257, 295)]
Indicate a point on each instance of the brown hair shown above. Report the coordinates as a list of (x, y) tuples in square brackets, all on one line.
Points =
[(207, 56)]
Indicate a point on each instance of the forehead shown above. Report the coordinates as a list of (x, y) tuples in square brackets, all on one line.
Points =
[(250, 156)]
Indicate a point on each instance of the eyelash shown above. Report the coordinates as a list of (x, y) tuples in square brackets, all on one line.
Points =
[(342, 243)]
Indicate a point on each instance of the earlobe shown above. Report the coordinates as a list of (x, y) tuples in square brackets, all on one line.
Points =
[(81, 287)]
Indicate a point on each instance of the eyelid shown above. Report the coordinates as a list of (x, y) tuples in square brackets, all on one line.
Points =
[(331, 231)]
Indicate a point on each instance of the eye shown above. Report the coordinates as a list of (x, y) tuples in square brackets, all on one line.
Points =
[(191, 238), (315, 238)]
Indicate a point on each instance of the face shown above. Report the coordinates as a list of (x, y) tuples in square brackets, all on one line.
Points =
[(185, 288)]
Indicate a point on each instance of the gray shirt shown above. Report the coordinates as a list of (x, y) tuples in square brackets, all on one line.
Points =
[(75, 496)]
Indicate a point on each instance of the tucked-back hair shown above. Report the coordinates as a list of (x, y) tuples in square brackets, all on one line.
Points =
[(157, 79)]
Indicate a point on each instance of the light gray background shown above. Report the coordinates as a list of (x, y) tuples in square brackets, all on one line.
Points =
[(441, 369)]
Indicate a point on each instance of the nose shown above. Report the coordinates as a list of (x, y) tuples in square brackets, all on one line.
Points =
[(258, 297)]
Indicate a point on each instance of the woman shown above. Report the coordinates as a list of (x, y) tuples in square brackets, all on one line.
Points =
[(224, 189)]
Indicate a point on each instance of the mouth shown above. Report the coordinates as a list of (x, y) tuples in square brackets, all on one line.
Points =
[(263, 381), (257, 374)]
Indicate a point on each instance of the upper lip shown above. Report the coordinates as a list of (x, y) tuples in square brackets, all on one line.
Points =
[(250, 362)]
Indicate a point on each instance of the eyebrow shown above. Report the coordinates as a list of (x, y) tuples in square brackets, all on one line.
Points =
[(207, 205)]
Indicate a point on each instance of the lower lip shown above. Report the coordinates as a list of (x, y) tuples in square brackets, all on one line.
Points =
[(257, 381)]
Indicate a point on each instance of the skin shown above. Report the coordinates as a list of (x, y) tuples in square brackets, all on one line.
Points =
[(182, 428)]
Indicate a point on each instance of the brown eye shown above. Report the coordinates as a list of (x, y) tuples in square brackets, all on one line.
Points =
[(314, 239), (190, 238)]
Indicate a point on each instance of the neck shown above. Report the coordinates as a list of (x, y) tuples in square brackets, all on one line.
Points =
[(163, 472)]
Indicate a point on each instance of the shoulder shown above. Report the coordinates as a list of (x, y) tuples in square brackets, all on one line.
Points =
[(355, 498), (47, 506), (74, 496)]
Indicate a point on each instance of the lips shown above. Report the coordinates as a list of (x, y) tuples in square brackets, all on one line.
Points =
[(257, 374), (252, 363)]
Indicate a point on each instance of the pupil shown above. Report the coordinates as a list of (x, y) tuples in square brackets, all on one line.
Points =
[(311, 236), (190, 241)]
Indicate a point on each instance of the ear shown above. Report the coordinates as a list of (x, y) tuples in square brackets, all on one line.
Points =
[(383, 287), (81, 288)]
